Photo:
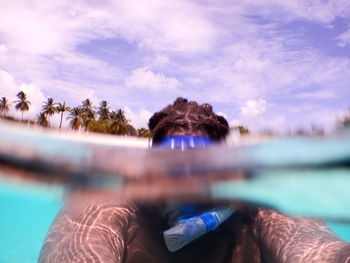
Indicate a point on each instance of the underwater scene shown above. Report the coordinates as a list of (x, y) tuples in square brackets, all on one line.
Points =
[(297, 176)]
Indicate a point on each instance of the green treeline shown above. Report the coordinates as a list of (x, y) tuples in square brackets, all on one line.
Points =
[(100, 119)]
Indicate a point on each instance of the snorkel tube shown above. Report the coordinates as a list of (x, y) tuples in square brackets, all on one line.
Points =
[(189, 229)]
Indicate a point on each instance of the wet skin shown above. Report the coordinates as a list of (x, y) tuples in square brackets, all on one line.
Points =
[(126, 232)]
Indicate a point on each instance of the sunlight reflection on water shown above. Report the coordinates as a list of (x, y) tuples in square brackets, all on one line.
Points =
[(299, 176)]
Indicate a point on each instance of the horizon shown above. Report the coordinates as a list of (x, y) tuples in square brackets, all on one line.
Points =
[(261, 64)]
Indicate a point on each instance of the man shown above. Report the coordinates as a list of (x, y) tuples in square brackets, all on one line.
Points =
[(88, 231)]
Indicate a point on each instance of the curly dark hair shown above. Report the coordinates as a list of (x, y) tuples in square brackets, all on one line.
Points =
[(185, 117)]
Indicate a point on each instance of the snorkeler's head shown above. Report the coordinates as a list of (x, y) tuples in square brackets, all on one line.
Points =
[(187, 118)]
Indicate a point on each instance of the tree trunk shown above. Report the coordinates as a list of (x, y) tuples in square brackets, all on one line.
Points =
[(61, 119)]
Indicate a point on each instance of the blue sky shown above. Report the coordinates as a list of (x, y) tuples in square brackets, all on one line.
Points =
[(262, 63)]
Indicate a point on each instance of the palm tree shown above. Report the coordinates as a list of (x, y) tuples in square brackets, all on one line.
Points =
[(143, 132), (346, 120), (22, 103), (130, 130), (43, 120), (118, 115), (4, 106), (146, 133), (242, 130), (62, 108), (49, 107), (87, 104), (88, 113), (76, 118), (103, 111), (120, 125)]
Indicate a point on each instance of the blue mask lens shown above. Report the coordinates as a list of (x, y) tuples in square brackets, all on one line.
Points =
[(185, 142)]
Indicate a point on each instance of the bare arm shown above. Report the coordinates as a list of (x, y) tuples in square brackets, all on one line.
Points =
[(285, 239), (107, 232), (87, 232)]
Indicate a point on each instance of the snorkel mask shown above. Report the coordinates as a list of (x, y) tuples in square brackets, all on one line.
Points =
[(185, 142)]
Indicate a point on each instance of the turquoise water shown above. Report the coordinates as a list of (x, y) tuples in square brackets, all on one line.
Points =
[(27, 211), (26, 214), (343, 230)]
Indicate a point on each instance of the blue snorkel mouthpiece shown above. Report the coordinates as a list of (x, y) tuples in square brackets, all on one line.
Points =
[(189, 229)]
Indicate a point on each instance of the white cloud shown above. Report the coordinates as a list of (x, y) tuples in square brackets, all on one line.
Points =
[(145, 79), (317, 11), (162, 25), (227, 52), (343, 39), (9, 88), (47, 53), (138, 119), (259, 115), (266, 67), (165, 25), (6, 80), (254, 107), (222, 114), (3, 48), (278, 123), (271, 122), (250, 64), (314, 115), (84, 94), (316, 95), (234, 123), (281, 119)]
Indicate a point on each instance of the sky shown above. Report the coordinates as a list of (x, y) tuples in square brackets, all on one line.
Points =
[(264, 64)]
